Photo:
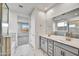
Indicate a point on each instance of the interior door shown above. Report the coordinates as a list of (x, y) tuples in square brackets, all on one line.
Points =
[(23, 33)]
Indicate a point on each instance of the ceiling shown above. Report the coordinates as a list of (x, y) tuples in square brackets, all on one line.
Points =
[(28, 7)]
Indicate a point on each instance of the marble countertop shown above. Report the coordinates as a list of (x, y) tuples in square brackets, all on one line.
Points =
[(62, 39)]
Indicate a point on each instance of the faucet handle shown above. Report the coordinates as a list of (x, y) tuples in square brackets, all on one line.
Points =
[(67, 34)]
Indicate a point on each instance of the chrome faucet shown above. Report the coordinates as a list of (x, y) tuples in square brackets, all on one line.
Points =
[(68, 35)]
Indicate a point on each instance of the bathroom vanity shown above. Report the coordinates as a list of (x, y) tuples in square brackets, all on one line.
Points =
[(59, 46)]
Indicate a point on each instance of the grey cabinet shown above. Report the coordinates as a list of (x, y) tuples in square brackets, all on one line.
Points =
[(67, 47), (57, 51), (44, 44), (69, 54), (54, 48), (61, 52), (61, 49), (50, 47)]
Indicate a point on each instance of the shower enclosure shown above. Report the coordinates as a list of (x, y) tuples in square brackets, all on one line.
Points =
[(4, 30)]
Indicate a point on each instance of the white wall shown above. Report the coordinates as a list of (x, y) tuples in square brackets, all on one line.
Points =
[(37, 27), (13, 30), (12, 22), (32, 29), (40, 26), (41, 22)]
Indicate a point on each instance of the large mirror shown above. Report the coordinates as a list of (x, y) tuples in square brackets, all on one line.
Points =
[(67, 22), (60, 27), (74, 28)]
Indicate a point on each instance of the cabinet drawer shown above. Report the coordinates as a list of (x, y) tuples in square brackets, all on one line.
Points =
[(50, 54), (68, 48), (50, 48), (50, 44), (50, 41), (50, 51), (42, 38)]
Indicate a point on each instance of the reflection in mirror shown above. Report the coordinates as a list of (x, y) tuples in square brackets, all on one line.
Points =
[(60, 27), (74, 28), (63, 24)]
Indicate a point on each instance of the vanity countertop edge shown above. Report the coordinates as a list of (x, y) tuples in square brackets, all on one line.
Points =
[(62, 39)]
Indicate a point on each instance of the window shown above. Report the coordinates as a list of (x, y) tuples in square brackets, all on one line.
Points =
[(72, 26), (25, 26), (61, 25)]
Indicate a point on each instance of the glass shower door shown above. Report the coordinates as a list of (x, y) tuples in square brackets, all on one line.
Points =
[(0, 29), (3, 26)]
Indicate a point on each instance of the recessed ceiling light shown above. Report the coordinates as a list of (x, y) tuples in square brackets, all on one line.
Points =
[(20, 6)]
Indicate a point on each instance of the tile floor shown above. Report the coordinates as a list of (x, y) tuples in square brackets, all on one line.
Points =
[(27, 50)]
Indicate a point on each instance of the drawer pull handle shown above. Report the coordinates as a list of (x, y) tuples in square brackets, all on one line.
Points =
[(62, 53)]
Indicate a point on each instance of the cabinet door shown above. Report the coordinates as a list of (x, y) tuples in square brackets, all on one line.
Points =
[(66, 53), (57, 51), (44, 44), (61, 52), (50, 47)]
